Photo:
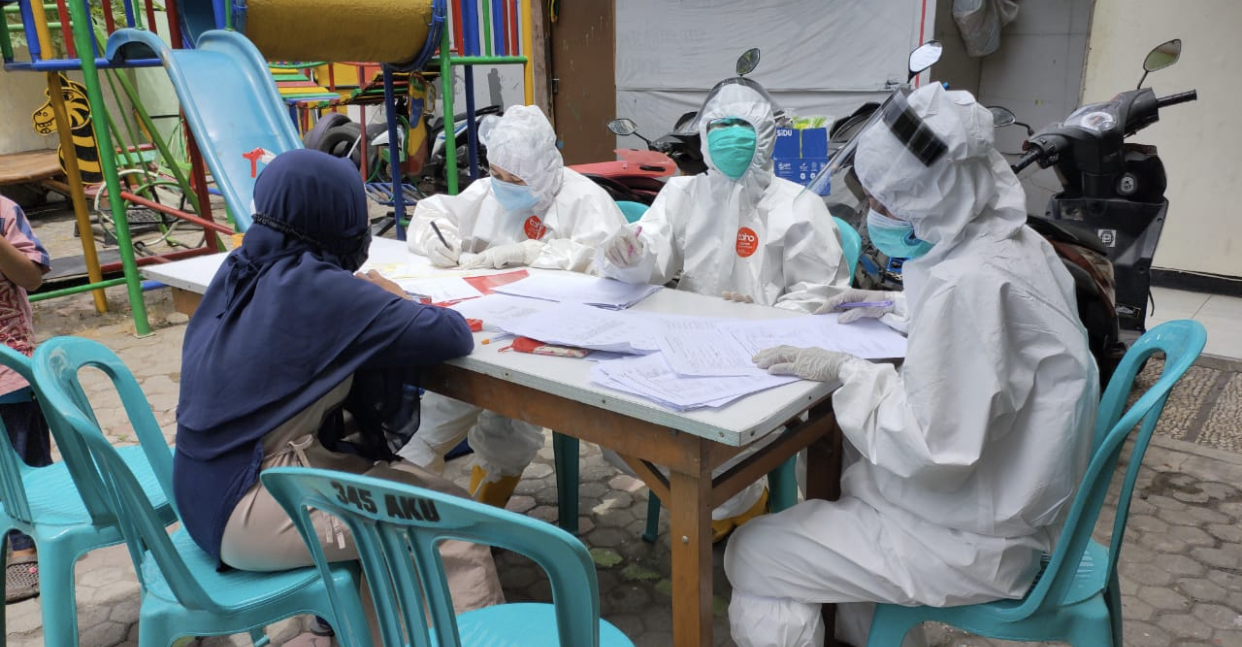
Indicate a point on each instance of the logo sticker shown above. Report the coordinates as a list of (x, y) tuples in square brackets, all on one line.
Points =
[(747, 242), (534, 228), (1108, 237)]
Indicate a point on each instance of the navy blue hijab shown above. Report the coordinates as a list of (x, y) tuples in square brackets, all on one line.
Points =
[(282, 323)]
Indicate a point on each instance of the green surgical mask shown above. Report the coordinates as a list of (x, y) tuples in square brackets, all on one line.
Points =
[(732, 148)]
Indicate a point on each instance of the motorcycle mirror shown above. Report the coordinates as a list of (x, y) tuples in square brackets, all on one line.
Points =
[(924, 56), (1002, 117), (622, 126), (748, 61), (1164, 55), (486, 126)]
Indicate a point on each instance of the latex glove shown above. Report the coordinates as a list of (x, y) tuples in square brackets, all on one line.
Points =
[(807, 363), (523, 253), (736, 296), (624, 249), (435, 250), (858, 296)]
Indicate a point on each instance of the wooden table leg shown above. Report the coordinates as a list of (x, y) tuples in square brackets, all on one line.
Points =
[(823, 481), (690, 534), (185, 302)]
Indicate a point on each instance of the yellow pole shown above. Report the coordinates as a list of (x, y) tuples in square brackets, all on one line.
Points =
[(40, 21), (528, 49), (76, 191)]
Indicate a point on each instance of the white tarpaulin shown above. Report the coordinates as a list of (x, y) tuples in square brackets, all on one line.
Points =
[(819, 57)]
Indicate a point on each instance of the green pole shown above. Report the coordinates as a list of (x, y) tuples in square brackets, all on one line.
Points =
[(6, 43), (160, 145), (446, 96), (77, 289), (90, 76), (487, 60), (487, 27)]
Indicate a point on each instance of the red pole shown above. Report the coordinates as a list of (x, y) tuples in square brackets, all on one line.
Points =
[(63, 12), (106, 5), (151, 16), (205, 224), (110, 268), (174, 22), (458, 39), (198, 178)]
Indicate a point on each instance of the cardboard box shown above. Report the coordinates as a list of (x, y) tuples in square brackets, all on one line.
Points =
[(799, 155)]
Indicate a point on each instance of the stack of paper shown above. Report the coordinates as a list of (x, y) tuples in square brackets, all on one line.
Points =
[(440, 290), (577, 288), (581, 326), (650, 377), (867, 338), (498, 310)]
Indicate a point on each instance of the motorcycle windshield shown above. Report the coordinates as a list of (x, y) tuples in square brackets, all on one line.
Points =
[(691, 126)]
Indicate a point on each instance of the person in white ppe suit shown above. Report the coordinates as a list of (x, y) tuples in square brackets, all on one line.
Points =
[(532, 212), (737, 231), (964, 460)]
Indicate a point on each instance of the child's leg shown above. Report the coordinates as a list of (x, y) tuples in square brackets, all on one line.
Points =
[(29, 435)]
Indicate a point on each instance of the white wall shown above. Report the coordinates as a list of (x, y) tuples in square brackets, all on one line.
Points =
[(819, 57), (21, 93), (1037, 73), (1199, 142)]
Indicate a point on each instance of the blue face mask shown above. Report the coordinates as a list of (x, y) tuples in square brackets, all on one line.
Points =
[(894, 238), (513, 197), (732, 148)]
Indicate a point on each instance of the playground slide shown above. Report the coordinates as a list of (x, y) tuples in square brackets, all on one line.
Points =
[(230, 102)]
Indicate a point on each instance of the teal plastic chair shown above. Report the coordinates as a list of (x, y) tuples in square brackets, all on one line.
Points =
[(633, 211), (851, 244), (1076, 598), (393, 522), (65, 512), (182, 592)]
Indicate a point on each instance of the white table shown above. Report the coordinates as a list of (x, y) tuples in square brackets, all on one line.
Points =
[(557, 393)]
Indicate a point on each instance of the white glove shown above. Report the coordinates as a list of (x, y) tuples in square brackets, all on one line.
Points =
[(858, 296), (736, 296), (807, 363), (523, 253), (435, 250), (624, 249)]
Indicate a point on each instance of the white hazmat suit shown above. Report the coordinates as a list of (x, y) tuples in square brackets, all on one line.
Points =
[(970, 454), (571, 215), (760, 237)]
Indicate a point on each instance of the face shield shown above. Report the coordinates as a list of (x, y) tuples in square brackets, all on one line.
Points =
[(839, 184), (690, 127)]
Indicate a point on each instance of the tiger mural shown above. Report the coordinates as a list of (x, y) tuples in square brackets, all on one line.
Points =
[(79, 110)]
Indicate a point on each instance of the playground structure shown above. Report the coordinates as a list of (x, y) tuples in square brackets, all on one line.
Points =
[(233, 115)]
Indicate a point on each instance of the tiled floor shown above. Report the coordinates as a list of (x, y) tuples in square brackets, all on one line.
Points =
[(1221, 315)]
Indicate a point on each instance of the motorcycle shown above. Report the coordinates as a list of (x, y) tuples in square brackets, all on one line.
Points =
[(1106, 221)]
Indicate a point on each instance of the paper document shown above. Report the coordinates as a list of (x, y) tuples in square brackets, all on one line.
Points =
[(866, 338), (650, 377), (698, 346), (440, 290), (495, 310), (570, 287), (582, 326)]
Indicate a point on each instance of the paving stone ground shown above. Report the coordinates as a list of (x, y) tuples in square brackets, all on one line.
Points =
[(1180, 571)]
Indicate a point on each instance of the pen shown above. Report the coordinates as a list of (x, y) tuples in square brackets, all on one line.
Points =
[(863, 304), (440, 235), (636, 232)]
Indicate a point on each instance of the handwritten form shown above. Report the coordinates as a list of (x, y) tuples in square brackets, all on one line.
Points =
[(867, 338), (577, 288), (701, 347), (574, 324), (650, 377)]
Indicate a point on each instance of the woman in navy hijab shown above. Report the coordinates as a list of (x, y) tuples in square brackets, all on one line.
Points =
[(291, 353)]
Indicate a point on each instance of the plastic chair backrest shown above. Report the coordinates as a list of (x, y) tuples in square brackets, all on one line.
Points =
[(12, 467), (1181, 342), (389, 521), (851, 244), (56, 366), (633, 211)]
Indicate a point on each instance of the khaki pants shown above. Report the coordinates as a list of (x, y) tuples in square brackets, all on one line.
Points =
[(259, 535)]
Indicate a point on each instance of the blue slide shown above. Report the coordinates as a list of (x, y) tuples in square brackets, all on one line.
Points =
[(230, 101)]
